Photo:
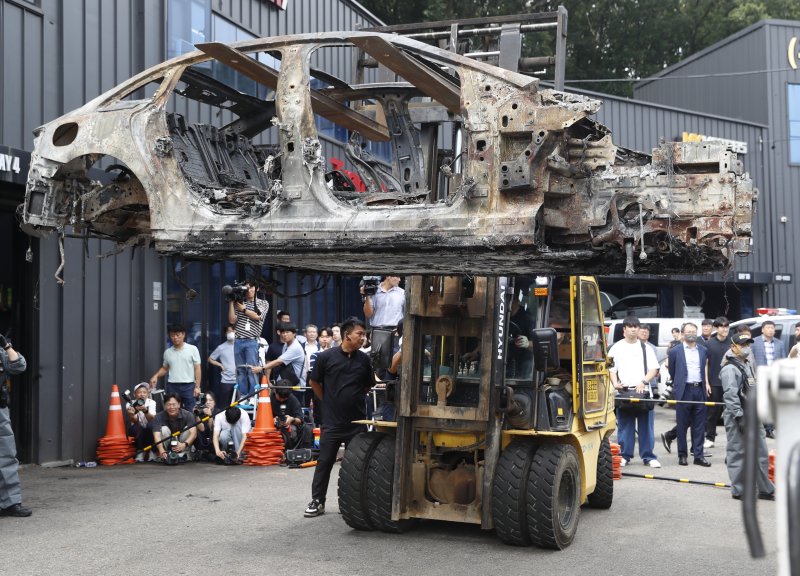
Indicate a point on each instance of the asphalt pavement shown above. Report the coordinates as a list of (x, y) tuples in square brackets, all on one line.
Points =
[(204, 519)]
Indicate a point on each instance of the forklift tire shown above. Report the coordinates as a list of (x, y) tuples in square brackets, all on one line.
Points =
[(508, 493), (353, 480), (554, 496), (603, 494), (380, 478)]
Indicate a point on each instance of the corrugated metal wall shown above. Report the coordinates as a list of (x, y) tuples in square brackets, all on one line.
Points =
[(736, 96), (785, 178)]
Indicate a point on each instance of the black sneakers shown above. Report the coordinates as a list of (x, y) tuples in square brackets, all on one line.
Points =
[(17, 511), (315, 508)]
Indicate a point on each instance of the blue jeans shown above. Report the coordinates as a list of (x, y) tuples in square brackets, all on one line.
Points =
[(627, 424), (246, 352), (233, 434)]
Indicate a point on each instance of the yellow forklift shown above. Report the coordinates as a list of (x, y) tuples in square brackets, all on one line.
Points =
[(504, 412)]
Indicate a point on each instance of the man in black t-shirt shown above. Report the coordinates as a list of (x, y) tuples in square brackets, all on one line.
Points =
[(173, 419), (288, 416), (341, 378)]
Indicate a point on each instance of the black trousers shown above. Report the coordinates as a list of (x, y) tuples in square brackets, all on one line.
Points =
[(714, 412), (692, 416), (329, 442)]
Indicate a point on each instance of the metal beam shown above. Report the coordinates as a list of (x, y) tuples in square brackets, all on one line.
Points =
[(430, 83), (323, 105)]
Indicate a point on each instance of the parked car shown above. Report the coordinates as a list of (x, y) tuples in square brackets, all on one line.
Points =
[(607, 300), (784, 327), (647, 306)]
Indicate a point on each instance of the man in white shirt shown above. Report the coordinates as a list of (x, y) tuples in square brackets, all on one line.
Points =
[(635, 365), (230, 426), (386, 307), (181, 365)]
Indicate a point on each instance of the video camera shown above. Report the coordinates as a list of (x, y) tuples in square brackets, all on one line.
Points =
[(235, 293), (370, 284)]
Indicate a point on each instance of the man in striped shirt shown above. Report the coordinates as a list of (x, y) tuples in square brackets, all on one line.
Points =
[(248, 317)]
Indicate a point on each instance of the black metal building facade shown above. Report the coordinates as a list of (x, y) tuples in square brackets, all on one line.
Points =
[(753, 76)]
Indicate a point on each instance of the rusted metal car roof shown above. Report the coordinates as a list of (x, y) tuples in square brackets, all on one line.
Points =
[(490, 173)]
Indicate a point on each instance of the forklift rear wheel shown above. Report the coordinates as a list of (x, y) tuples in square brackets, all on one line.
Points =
[(603, 494), (380, 477), (353, 480), (554, 496), (508, 494)]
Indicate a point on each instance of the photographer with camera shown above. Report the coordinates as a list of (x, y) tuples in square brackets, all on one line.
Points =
[(288, 415), (247, 313), (230, 429), (292, 363), (169, 421), (141, 411), (181, 365), (207, 405), (11, 362), (384, 301)]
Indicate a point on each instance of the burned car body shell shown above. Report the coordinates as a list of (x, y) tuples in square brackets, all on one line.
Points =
[(531, 184)]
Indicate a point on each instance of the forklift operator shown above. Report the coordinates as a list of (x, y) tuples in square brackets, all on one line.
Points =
[(521, 327)]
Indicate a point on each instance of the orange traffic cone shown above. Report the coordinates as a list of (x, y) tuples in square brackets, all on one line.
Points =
[(264, 444), (616, 461), (115, 445), (264, 417), (771, 468)]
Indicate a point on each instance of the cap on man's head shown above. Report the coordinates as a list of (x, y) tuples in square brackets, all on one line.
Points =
[(139, 385), (287, 327), (740, 339)]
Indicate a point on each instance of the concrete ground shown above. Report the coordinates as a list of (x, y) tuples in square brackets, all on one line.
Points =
[(206, 519)]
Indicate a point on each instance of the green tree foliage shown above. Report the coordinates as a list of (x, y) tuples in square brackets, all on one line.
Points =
[(619, 39)]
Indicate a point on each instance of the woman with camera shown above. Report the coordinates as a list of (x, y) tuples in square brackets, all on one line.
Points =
[(141, 411), (205, 430)]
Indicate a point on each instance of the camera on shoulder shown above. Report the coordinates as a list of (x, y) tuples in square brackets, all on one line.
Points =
[(370, 284), (235, 293)]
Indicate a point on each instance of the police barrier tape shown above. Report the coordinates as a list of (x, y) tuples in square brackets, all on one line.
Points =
[(680, 480), (671, 402)]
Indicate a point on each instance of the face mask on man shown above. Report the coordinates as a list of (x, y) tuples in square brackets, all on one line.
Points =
[(744, 350), (690, 338), (231, 336)]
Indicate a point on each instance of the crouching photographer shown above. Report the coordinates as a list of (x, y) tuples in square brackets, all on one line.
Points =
[(288, 417), (173, 419), (141, 411), (230, 429), (205, 408)]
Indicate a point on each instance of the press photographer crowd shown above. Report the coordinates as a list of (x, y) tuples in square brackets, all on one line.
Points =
[(323, 378)]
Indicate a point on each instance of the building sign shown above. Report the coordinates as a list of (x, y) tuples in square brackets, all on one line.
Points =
[(783, 278), (794, 52), (14, 165)]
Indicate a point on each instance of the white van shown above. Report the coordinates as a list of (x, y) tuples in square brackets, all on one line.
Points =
[(660, 332)]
